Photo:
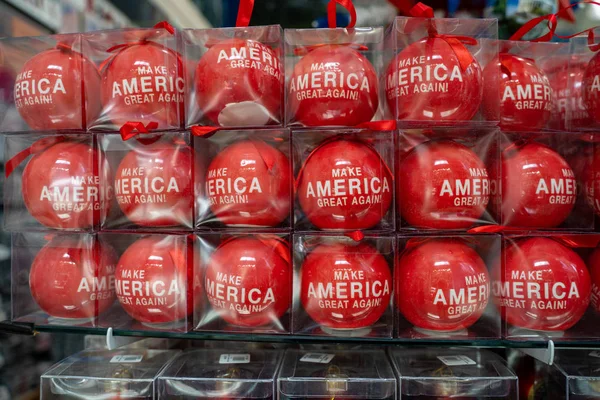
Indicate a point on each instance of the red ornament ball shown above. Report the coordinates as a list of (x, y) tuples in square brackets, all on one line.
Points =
[(568, 97), (62, 188), (240, 83), (344, 184), (257, 177), (248, 280), (145, 82), (154, 186), (333, 85), (72, 277), (591, 88), (48, 90), (538, 187), (345, 286), (154, 282), (546, 285), (444, 185), (442, 285), (434, 79), (525, 100)]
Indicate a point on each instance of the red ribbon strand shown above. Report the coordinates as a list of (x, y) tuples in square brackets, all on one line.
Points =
[(332, 11), (165, 25), (37, 147), (386, 125), (132, 128), (203, 131), (357, 236), (244, 13), (529, 25)]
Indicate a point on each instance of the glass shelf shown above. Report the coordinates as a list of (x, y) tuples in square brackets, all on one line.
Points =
[(248, 337)]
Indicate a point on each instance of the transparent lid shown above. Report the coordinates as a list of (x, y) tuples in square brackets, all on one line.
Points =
[(365, 374), (581, 370), (452, 372), (221, 373), (101, 374)]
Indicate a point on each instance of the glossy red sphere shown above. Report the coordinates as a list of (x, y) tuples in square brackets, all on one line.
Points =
[(591, 88), (333, 85), (249, 280), (345, 184), (594, 268), (443, 185), (546, 285), (154, 185), (62, 188), (248, 183), (517, 93), (430, 80), (49, 91), (72, 277), (568, 98), (441, 285), (538, 187), (143, 82), (240, 83), (345, 286), (154, 282)]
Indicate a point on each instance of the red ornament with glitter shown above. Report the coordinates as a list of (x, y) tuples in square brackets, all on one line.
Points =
[(249, 184), (358, 283), (435, 79), (143, 81), (546, 286), (517, 93), (443, 185), (538, 187), (344, 184), (49, 91), (252, 95), (73, 278), (153, 280), (248, 280), (154, 184), (63, 189), (441, 285)]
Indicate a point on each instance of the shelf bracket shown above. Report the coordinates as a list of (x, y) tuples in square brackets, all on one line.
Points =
[(17, 328), (545, 355), (113, 342)]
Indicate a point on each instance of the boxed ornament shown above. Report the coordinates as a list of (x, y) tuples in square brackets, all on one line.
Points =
[(61, 278), (235, 76), (542, 179), (343, 285), (336, 373), (443, 178), (247, 282), (221, 373), (47, 84), (55, 181), (435, 67), (155, 283), (332, 75), (545, 286), (444, 373), (142, 77), (442, 287), (344, 179), (124, 373), (522, 85), (244, 179), (153, 179)]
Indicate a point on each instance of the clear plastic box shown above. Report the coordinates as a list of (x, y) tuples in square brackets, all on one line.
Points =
[(574, 374), (441, 373), (336, 373), (126, 373), (221, 373)]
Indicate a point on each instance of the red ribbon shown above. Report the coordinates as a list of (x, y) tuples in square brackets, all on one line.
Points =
[(529, 25), (579, 241), (244, 13), (132, 128), (421, 10), (331, 12), (386, 125), (203, 131), (165, 25), (357, 236), (161, 25), (36, 147)]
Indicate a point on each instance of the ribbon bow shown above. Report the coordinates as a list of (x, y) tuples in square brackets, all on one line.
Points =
[(35, 148), (133, 128)]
